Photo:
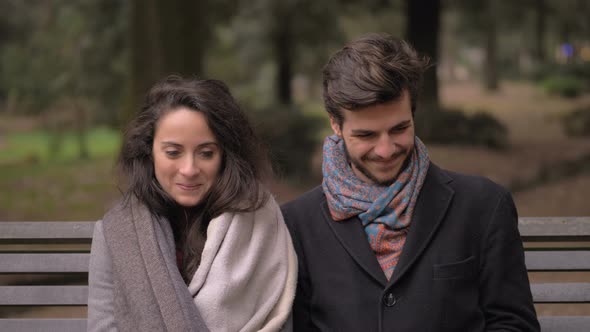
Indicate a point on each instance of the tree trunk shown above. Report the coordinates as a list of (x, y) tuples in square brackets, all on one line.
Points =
[(540, 22), (167, 37), (491, 57), (185, 33), (283, 45), (422, 31), (146, 52)]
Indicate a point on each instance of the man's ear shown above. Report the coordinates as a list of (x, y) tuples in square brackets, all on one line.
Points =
[(335, 126)]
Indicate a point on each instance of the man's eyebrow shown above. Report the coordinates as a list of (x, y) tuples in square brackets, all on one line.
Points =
[(402, 124), (361, 131), (367, 131)]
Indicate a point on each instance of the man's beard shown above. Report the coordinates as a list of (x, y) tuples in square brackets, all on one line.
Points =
[(357, 164)]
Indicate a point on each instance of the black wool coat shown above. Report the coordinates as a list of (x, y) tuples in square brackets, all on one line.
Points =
[(461, 269)]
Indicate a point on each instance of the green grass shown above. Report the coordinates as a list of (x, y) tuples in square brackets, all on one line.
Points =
[(36, 186), (63, 190), (34, 146)]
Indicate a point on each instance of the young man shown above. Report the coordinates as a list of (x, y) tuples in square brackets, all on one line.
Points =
[(389, 241)]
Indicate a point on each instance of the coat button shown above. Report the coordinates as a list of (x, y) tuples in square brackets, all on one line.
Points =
[(389, 300)]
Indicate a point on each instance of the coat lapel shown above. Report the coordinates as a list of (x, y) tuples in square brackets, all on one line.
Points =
[(353, 238), (432, 204)]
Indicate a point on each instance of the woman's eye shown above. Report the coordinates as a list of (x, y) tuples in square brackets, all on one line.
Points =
[(172, 153), (207, 154)]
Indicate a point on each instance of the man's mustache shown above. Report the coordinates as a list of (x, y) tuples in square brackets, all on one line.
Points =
[(396, 155)]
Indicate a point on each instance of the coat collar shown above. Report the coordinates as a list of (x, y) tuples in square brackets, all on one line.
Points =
[(431, 206), (433, 201), (353, 238)]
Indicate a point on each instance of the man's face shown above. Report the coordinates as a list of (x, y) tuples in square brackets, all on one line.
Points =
[(378, 139)]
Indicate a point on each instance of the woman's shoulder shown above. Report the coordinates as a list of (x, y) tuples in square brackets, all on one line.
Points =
[(266, 213), (119, 207), (98, 233), (269, 203), (270, 208)]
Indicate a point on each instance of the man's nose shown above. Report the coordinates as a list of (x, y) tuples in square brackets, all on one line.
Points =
[(385, 147)]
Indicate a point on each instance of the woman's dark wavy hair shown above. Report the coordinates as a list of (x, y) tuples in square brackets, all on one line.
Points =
[(244, 167), (374, 69)]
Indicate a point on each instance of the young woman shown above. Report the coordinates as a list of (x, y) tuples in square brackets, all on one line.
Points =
[(196, 243)]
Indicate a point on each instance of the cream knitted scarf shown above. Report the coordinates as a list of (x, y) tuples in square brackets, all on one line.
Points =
[(246, 280)]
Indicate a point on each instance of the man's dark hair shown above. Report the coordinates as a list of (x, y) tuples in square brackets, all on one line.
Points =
[(244, 163), (374, 69)]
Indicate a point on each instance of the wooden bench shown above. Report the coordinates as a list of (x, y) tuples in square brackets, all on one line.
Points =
[(553, 246), (50, 251), (559, 248)]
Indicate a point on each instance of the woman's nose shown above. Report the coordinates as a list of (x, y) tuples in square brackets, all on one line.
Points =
[(189, 167)]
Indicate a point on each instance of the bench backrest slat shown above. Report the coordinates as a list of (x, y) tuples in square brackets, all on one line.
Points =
[(558, 260), (44, 263), (77, 295), (563, 292), (45, 325), (555, 229), (549, 227), (43, 295), (564, 323), (46, 230)]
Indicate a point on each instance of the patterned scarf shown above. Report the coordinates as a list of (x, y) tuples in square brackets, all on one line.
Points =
[(385, 212)]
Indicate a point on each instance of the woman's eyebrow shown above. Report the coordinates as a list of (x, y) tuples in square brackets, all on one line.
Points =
[(172, 143)]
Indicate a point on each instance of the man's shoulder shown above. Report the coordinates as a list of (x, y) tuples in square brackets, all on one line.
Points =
[(469, 183), (313, 196), (305, 209)]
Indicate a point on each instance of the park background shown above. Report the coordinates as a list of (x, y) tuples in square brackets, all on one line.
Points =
[(508, 96)]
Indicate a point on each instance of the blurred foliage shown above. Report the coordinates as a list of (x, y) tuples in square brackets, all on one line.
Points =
[(565, 86), (67, 66), (262, 49), (579, 71), (84, 63), (566, 80), (453, 126), (528, 33), (577, 123), (65, 49), (266, 43), (291, 137), (74, 67)]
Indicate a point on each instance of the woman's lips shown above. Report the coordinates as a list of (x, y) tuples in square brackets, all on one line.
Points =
[(188, 187)]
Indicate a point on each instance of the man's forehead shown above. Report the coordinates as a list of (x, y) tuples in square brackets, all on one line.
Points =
[(388, 114)]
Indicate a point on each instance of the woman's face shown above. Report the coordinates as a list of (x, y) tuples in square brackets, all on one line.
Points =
[(187, 156)]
